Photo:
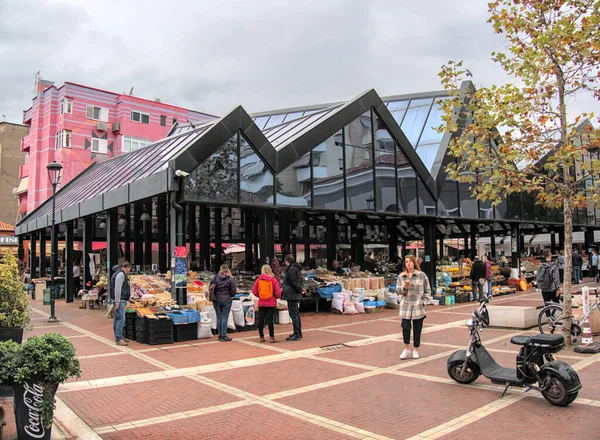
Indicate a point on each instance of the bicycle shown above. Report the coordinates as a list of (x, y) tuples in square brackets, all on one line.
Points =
[(551, 317)]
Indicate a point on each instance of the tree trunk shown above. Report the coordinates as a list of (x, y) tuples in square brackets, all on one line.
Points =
[(568, 214)]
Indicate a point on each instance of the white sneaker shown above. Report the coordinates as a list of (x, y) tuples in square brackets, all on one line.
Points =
[(406, 353), (415, 354)]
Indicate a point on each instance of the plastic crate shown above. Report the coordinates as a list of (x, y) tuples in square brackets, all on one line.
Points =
[(185, 332), (187, 316), (130, 331), (140, 329), (159, 340), (154, 325)]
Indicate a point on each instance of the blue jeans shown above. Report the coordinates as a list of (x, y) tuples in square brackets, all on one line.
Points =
[(477, 291), (222, 310), (119, 322), (577, 274), (489, 282)]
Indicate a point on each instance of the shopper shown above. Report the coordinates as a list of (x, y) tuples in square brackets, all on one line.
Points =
[(120, 293), (561, 266), (594, 265), (225, 290), (548, 278), (577, 264), (76, 279), (293, 289), (415, 292), (489, 274), (267, 289), (477, 279)]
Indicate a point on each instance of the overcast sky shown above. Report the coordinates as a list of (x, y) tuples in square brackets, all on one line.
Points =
[(263, 54)]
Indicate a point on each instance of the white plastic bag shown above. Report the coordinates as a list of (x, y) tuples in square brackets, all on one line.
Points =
[(350, 308), (231, 322), (204, 329), (338, 300), (212, 315), (238, 317), (360, 307), (282, 304), (392, 298), (236, 304)]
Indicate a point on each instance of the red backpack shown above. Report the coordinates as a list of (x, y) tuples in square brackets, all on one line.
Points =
[(265, 289)]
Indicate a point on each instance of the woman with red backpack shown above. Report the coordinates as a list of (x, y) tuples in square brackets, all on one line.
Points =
[(267, 290)]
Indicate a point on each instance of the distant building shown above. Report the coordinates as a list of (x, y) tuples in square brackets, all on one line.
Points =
[(77, 125), (11, 161)]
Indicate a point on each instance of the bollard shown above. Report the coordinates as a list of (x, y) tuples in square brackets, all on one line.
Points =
[(587, 338)]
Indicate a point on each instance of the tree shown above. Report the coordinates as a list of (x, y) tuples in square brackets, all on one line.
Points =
[(553, 55)]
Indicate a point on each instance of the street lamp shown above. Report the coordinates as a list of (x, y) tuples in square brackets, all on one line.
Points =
[(54, 174), (370, 201)]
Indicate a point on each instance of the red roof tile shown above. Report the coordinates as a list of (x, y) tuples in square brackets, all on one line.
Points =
[(5, 227)]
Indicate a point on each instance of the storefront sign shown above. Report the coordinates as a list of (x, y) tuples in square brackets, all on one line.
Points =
[(9, 241)]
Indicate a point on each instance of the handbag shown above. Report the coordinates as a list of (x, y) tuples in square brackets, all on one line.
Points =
[(211, 291)]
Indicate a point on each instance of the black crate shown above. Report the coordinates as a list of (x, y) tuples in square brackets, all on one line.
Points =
[(185, 332), (160, 340), (153, 325), (140, 329), (130, 332)]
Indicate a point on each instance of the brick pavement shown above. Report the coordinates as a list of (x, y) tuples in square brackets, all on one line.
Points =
[(243, 389)]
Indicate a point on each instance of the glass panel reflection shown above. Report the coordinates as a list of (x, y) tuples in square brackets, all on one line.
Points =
[(449, 199), (427, 205), (293, 185), (501, 210), (217, 177), (407, 184), (514, 206), (260, 121), (468, 203), (275, 120), (256, 181), (527, 203), (385, 170), (415, 117), (430, 135), (359, 164), (328, 173)]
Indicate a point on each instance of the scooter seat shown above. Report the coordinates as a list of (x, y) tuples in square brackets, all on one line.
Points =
[(548, 340), (520, 340)]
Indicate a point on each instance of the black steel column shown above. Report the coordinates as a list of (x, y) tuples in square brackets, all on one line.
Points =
[(205, 236), (284, 235), (353, 244), (218, 239), (588, 239), (161, 225), (553, 243), (112, 241), (33, 264), (128, 233), (403, 251), (393, 240), (192, 232), (441, 249), (54, 251), (466, 246), (88, 235), (138, 237), (306, 240), (360, 246), (69, 251), (473, 247), (430, 251), (331, 239), (43, 253), (515, 238), (148, 237), (248, 239), (267, 248), (493, 247)]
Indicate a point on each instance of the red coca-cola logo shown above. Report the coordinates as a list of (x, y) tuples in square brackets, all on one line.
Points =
[(32, 397)]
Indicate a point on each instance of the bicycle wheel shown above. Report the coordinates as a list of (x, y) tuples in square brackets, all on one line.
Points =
[(550, 319)]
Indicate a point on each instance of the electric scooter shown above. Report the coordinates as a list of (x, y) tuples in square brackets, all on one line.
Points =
[(537, 368)]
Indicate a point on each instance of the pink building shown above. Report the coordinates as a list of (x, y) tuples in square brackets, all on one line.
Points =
[(77, 125)]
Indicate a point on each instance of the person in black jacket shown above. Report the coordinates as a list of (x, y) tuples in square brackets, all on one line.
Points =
[(293, 289), (477, 279), (225, 290), (577, 265)]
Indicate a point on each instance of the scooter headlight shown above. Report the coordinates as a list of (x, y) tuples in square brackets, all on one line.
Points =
[(469, 323)]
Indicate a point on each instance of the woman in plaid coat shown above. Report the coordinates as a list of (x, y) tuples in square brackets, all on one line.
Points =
[(415, 292)]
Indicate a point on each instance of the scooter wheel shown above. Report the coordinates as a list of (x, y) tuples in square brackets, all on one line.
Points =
[(470, 375), (556, 391)]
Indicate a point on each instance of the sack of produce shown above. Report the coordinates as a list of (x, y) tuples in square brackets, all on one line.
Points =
[(212, 315), (350, 308), (337, 303), (238, 316), (204, 329), (360, 307), (230, 320)]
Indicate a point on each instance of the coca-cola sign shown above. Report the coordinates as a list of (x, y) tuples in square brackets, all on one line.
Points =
[(28, 411)]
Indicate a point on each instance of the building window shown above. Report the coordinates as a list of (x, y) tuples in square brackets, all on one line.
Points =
[(163, 121), (66, 105), (63, 139), (132, 143), (97, 113), (174, 121), (144, 118), (99, 146)]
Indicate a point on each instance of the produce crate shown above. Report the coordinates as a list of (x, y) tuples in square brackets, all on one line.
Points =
[(130, 325), (159, 331), (462, 298), (160, 339), (185, 332), (140, 329)]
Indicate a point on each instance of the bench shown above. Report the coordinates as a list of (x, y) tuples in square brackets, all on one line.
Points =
[(513, 316)]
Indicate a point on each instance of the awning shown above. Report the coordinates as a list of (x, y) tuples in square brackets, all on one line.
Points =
[(23, 185)]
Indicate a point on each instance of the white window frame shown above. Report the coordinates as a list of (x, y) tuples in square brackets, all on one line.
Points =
[(90, 112), (140, 116), (139, 142), (66, 106), (63, 139), (99, 146)]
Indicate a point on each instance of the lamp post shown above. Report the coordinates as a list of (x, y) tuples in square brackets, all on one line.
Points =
[(54, 174)]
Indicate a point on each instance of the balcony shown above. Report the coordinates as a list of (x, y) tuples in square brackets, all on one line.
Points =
[(303, 174), (24, 171)]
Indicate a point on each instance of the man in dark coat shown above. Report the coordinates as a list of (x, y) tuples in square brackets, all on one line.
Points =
[(477, 279), (293, 289)]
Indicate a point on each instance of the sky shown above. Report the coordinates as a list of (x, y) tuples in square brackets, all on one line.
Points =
[(212, 56)]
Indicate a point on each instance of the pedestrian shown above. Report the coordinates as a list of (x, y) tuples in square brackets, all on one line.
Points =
[(561, 266), (268, 290), (225, 290), (548, 278), (594, 265), (293, 289), (76, 278), (477, 279), (120, 293), (489, 274), (414, 291), (577, 264)]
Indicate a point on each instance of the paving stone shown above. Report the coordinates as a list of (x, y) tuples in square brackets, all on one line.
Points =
[(111, 366)]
